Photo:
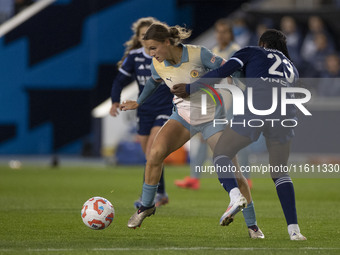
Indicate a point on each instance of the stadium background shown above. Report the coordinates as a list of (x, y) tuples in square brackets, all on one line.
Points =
[(56, 71), (59, 64)]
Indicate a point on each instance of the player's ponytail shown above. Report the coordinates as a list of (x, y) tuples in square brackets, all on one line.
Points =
[(161, 31), (275, 39), (134, 42)]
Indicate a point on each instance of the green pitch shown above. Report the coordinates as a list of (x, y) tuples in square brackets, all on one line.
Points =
[(40, 214)]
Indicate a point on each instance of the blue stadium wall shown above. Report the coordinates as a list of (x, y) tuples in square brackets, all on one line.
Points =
[(57, 66)]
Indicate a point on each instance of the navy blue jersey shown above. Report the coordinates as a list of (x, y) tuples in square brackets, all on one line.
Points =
[(137, 65), (264, 69), (258, 62)]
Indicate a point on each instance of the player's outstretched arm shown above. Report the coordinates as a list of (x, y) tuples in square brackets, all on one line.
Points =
[(114, 109), (149, 88), (212, 77)]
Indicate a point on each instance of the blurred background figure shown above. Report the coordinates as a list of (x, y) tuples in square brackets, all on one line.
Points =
[(315, 25), (6, 10), (241, 31), (260, 29), (316, 65), (224, 36), (294, 38), (330, 86)]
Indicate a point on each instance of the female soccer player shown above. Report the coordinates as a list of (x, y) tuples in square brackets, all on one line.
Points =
[(156, 111), (174, 62), (268, 68)]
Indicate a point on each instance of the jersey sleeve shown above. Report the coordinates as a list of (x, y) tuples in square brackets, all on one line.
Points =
[(154, 73), (210, 60), (242, 56), (120, 81), (128, 66)]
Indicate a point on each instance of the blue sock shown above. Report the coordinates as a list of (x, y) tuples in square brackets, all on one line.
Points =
[(161, 184), (148, 195), (223, 168), (198, 160), (249, 214), (285, 191)]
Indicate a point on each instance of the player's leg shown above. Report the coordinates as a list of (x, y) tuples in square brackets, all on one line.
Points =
[(170, 137), (278, 156), (241, 180), (248, 212), (228, 144), (143, 140), (161, 196)]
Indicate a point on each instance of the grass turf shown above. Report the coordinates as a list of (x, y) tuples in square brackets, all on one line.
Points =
[(40, 214)]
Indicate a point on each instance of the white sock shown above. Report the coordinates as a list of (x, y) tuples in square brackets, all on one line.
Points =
[(234, 194), (293, 228)]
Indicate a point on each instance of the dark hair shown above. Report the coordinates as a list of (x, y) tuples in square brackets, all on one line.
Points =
[(275, 39), (160, 32)]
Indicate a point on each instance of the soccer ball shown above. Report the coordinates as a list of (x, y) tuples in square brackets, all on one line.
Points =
[(97, 213)]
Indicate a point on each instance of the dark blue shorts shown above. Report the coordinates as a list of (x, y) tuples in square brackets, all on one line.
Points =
[(276, 128), (152, 119)]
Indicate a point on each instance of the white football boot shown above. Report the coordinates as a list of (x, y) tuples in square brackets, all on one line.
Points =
[(234, 207)]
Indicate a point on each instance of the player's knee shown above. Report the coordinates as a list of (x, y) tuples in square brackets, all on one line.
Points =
[(156, 155)]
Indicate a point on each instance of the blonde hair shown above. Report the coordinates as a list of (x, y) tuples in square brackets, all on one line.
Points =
[(134, 43), (159, 31)]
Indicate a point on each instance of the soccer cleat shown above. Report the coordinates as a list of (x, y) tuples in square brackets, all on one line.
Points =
[(138, 217), (138, 203), (188, 183), (255, 233), (161, 199), (233, 208), (295, 236)]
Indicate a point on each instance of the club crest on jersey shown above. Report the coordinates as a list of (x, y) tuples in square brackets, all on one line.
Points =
[(194, 73)]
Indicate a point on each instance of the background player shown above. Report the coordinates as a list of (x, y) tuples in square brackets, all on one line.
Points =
[(156, 111), (172, 63), (269, 60)]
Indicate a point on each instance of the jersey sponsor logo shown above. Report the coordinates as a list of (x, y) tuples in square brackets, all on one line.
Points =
[(168, 79), (194, 73), (137, 59), (142, 79)]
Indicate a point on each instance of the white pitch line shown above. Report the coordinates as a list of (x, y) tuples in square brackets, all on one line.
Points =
[(170, 249)]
